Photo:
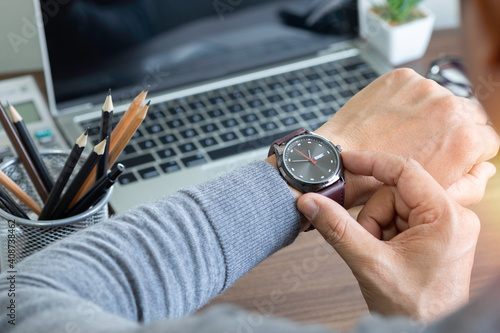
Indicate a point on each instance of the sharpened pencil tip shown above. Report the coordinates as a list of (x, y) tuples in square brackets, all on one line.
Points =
[(147, 88), (148, 103), (108, 104), (82, 139), (109, 91), (100, 147), (8, 104)]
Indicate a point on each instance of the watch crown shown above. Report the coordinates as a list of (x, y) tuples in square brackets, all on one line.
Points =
[(339, 148)]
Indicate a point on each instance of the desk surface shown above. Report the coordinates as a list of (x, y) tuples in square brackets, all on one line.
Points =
[(304, 284)]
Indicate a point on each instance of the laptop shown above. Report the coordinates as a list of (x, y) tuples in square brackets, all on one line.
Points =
[(226, 79)]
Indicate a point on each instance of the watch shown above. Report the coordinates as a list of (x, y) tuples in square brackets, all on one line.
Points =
[(311, 163)]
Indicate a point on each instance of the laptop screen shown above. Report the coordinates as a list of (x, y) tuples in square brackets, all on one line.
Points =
[(127, 45)]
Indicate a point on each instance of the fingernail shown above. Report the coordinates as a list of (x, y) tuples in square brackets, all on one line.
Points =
[(308, 208)]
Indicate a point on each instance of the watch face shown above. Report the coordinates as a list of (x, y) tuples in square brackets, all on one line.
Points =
[(311, 159)]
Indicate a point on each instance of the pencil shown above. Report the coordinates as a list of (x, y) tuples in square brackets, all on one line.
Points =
[(63, 178), (23, 154), (126, 118), (98, 190), (19, 193), (115, 151), (11, 205), (106, 124), (32, 150), (77, 182)]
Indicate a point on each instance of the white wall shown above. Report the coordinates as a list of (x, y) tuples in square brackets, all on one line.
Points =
[(20, 52), (20, 49)]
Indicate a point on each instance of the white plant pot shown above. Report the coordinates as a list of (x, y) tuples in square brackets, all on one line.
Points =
[(402, 43)]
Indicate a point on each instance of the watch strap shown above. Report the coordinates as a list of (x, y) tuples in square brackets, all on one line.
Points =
[(285, 139)]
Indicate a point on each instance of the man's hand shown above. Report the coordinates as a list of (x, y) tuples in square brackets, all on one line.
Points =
[(405, 114), (420, 261)]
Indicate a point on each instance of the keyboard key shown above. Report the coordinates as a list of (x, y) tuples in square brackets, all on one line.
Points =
[(189, 133), (195, 118), (215, 113), (254, 104), (249, 131), (228, 136), (351, 79), (269, 113), (275, 98), (169, 138), (195, 160), (313, 89), (332, 84), (309, 116), (197, 105), (170, 167), (176, 123), (332, 71), (217, 100), (249, 118), (235, 108), (275, 86), (177, 109), (308, 103), (294, 81), (313, 76), (270, 126), (154, 129), (231, 122), (346, 93), (129, 149), (328, 111), (235, 95), (256, 91), (148, 173), (127, 178), (327, 98), (289, 121), (294, 93), (136, 161), (289, 107), (209, 128), (187, 148), (246, 146), (147, 144), (137, 134), (94, 131), (166, 153), (208, 142), (156, 114)]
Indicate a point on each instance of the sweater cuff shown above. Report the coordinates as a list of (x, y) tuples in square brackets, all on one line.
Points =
[(253, 213)]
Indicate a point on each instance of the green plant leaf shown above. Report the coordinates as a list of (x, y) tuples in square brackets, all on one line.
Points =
[(398, 10)]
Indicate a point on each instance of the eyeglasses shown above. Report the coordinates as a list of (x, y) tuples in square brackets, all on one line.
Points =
[(451, 73)]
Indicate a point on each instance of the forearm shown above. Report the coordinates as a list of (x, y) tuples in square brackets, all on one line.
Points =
[(169, 258)]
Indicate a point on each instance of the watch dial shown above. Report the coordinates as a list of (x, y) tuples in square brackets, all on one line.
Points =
[(311, 159)]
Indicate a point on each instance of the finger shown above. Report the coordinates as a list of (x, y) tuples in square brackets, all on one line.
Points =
[(469, 189), (414, 184), (347, 237), (401, 224), (491, 140), (378, 211)]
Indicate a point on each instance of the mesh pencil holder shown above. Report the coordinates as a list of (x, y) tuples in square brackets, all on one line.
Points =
[(19, 237)]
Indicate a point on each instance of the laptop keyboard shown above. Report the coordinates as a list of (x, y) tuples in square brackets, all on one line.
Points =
[(197, 129)]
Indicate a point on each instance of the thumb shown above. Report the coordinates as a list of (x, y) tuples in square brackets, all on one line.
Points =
[(352, 242)]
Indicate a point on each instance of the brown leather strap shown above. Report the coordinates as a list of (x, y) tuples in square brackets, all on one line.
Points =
[(285, 139)]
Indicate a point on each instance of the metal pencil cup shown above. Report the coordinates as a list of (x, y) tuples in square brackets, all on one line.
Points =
[(28, 236)]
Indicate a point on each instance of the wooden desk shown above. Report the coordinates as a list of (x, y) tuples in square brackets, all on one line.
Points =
[(304, 283)]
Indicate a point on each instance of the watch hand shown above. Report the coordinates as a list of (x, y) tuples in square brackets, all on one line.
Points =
[(300, 161), (301, 153), (309, 152)]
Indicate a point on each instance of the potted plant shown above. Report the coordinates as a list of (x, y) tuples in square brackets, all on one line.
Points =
[(399, 29)]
